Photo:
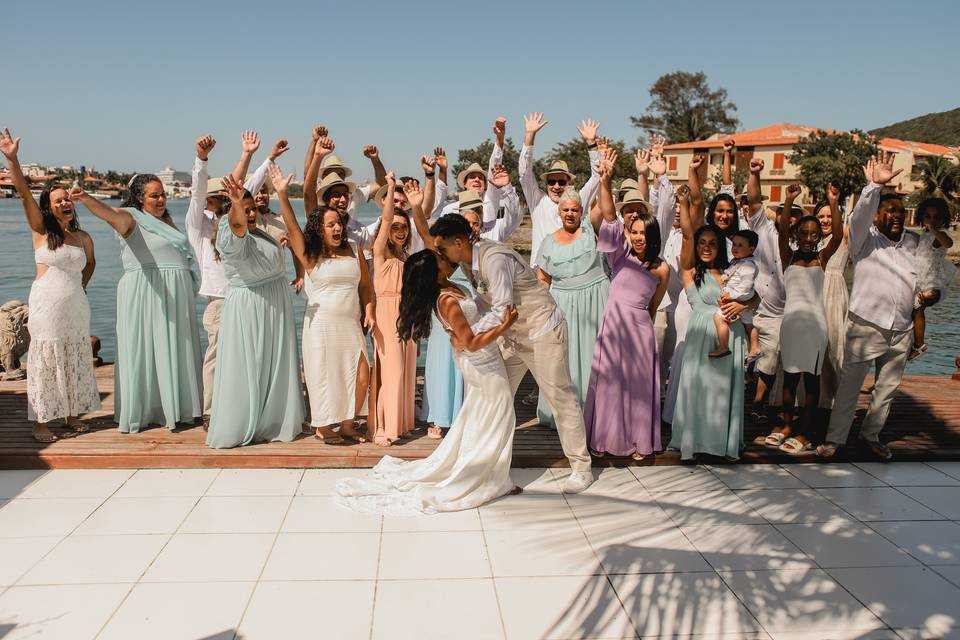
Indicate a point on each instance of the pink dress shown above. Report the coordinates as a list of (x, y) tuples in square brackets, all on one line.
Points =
[(396, 359)]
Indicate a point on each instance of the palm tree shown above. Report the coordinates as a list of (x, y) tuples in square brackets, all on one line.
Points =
[(941, 179)]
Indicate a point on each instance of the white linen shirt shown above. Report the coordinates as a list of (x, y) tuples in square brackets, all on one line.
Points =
[(884, 275), (544, 212), (199, 223), (769, 281), (739, 278)]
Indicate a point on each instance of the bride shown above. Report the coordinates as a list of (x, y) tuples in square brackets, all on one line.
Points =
[(472, 464)]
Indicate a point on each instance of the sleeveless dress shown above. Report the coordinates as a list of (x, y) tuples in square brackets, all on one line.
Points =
[(443, 383), (60, 380), (397, 360), (580, 287), (470, 467), (708, 417), (256, 387), (836, 300), (803, 331), (333, 340), (622, 412), (157, 379)]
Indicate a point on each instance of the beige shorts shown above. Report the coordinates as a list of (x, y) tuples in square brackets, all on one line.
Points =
[(768, 330)]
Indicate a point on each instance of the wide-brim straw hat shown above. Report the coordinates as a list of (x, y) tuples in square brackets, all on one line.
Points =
[(331, 181), (473, 168), (333, 162), (215, 188), (469, 200), (629, 184), (558, 166), (633, 197)]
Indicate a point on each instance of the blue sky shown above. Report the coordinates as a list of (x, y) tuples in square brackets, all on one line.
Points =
[(130, 85)]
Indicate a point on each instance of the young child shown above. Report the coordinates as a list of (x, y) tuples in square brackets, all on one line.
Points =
[(738, 286), (934, 271)]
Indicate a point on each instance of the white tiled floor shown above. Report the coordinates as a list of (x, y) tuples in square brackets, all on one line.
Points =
[(863, 551)]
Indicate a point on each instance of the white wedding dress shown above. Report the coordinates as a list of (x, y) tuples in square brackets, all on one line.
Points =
[(471, 465)]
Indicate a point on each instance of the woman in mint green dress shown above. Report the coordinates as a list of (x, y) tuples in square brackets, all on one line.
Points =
[(708, 417), (570, 265), (157, 378), (257, 395)]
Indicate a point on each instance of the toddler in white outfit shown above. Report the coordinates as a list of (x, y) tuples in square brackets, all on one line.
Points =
[(738, 286)]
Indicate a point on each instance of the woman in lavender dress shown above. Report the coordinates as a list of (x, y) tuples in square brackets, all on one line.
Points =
[(622, 411)]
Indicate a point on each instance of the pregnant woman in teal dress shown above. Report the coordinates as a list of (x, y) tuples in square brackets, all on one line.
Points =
[(708, 417), (157, 376), (256, 387)]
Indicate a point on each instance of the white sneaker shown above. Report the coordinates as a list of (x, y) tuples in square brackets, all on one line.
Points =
[(577, 481)]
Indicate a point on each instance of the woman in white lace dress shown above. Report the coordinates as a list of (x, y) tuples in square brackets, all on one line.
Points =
[(472, 464), (60, 380)]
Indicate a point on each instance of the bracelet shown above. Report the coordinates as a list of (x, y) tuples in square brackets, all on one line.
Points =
[(429, 175), (592, 146)]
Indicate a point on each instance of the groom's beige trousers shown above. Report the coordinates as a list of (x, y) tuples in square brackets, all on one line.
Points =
[(547, 358)]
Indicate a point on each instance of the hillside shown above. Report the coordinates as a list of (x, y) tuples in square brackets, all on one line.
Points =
[(937, 128)]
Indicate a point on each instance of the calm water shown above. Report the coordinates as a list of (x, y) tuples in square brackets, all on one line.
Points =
[(17, 272)]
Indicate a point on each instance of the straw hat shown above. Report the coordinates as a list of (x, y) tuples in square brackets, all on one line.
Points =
[(629, 184), (558, 166), (333, 162), (469, 200), (331, 180), (215, 187), (473, 168), (633, 197), (382, 191)]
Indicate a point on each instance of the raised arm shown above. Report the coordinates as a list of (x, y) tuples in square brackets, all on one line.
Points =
[(249, 143), (463, 335), (687, 250), (499, 138), (416, 198), (879, 171), (429, 193), (441, 190), (236, 216), (695, 184), (259, 177), (783, 228), (294, 232), (642, 161), (379, 173), (606, 211), (321, 149), (386, 220), (501, 228), (728, 162), (120, 219), (532, 193), (836, 218), (10, 147), (198, 194), (666, 207), (754, 196), (318, 132), (588, 132)]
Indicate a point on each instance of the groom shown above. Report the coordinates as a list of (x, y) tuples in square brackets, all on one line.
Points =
[(537, 341)]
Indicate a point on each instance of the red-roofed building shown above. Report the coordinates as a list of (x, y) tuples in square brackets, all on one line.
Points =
[(774, 145)]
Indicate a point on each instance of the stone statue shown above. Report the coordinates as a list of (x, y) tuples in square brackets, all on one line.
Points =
[(14, 339)]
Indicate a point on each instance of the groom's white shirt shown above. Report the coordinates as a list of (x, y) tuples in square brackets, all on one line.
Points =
[(500, 272)]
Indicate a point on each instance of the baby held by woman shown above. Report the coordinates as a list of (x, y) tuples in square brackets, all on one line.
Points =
[(738, 286)]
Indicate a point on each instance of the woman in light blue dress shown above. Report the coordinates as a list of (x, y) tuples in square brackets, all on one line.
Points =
[(157, 379), (708, 417), (257, 395), (572, 267)]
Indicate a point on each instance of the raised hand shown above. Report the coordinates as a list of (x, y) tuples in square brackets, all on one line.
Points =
[(9, 145), (833, 195), (697, 162), (793, 192), (441, 157), (249, 141), (501, 177), (391, 180), (658, 164), (756, 166), (603, 142), (280, 183), (280, 147), (319, 131), (607, 162), (880, 168), (233, 188), (642, 161), (533, 122), (324, 147), (728, 146), (76, 193), (370, 151), (588, 130), (414, 193), (428, 164), (204, 146), (500, 130), (657, 143)]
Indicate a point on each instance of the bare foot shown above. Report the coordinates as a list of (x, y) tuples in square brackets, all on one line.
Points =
[(382, 441), (42, 433), (77, 425)]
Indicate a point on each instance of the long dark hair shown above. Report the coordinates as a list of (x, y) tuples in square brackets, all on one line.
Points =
[(717, 199), (314, 246), (55, 235), (418, 295), (406, 245), (135, 190), (651, 230), (721, 261)]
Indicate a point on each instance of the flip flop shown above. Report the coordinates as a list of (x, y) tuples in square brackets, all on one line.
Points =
[(794, 447), (828, 450), (45, 439), (772, 440)]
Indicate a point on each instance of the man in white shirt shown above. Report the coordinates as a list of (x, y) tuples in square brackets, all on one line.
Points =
[(544, 206), (472, 207), (880, 320), (499, 202)]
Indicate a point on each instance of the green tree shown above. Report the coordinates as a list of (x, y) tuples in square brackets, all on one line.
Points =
[(740, 176), (683, 108), (838, 158), (941, 179)]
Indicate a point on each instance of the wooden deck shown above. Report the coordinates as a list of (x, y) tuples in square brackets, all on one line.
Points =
[(924, 425)]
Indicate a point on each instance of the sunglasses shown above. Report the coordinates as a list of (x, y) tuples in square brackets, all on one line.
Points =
[(560, 181)]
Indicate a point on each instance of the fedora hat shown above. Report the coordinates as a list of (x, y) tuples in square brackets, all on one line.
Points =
[(633, 197), (558, 166), (382, 191), (333, 162), (331, 180), (215, 187), (469, 200), (473, 168), (628, 184)]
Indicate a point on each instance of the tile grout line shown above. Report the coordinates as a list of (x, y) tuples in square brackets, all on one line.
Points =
[(266, 560), (376, 581)]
